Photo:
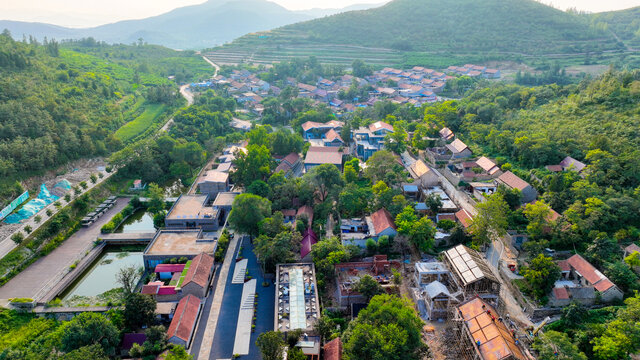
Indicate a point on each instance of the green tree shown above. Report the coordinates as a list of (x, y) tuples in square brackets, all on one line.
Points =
[(491, 221), (538, 215), (247, 211), (354, 200), (93, 178), (254, 165), (271, 251), (260, 188), (326, 179), (190, 153), (368, 287), (541, 273), (622, 275), (295, 353), (360, 69), (633, 259), (88, 329), (350, 174), (434, 203), (259, 136), (621, 336), (94, 352), (273, 225), (419, 231), (178, 352), (155, 194), (552, 345), (139, 310), (383, 166), (127, 277), (17, 238), (388, 328), (271, 345)]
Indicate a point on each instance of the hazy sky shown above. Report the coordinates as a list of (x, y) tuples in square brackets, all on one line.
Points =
[(80, 13)]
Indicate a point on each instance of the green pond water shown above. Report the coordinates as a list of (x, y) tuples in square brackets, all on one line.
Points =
[(139, 221), (101, 276)]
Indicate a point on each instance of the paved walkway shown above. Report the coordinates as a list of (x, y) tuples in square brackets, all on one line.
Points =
[(6, 244), (224, 339), (205, 340), (49, 270)]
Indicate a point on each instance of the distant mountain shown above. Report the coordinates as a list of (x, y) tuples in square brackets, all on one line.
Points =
[(516, 27), (318, 13), (192, 27)]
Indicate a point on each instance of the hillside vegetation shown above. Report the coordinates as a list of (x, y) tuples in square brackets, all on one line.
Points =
[(624, 23), (58, 105), (434, 33)]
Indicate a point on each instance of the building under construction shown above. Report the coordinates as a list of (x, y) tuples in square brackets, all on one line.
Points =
[(441, 287), (481, 333)]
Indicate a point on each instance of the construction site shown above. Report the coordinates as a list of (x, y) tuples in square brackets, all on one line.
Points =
[(460, 300)]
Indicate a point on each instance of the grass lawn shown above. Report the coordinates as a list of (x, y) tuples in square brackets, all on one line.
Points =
[(138, 125)]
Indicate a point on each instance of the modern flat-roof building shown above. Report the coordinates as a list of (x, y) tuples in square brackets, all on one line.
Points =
[(193, 212), (214, 182), (296, 305), (168, 244)]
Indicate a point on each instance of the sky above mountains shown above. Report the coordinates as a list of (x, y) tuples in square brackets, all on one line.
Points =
[(86, 13)]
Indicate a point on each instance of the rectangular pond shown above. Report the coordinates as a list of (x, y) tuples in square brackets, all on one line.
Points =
[(101, 275), (139, 222)]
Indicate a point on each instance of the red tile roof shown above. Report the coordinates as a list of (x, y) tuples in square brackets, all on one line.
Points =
[(560, 293), (492, 338), (593, 276), (149, 289), (199, 270), (464, 218), (318, 155), (332, 135), (172, 268), (513, 181), (554, 168), (632, 248), (451, 217), (184, 319), (382, 220), (292, 158), (564, 265), (380, 125), (333, 350)]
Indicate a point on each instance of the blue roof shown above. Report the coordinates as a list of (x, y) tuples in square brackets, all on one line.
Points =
[(421, 206), (410, 188)]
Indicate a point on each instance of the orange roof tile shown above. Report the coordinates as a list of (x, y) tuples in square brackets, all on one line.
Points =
[(199, 270)]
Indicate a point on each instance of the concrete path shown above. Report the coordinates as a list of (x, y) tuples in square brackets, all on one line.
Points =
[(49, 270), (211, 322)]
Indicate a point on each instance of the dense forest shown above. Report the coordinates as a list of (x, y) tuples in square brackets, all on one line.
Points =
[(58, 105)]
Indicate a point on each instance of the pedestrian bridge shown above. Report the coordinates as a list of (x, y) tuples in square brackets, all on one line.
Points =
[(127, 238)]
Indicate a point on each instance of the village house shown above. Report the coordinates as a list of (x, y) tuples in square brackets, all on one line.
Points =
[(446, 134), (318, 155), (633, 248), (458, 149), (579, 282), (423, 175), (511, 181), (290, 165), (369, 140), (358, 231), (196, 281), (185, 319)]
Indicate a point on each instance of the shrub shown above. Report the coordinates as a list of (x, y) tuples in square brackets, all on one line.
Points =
[(28, 229), (446, 224), (37, 218), (67, 197), (17, 238), (84, 184), (93, 178), (49, 212)]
